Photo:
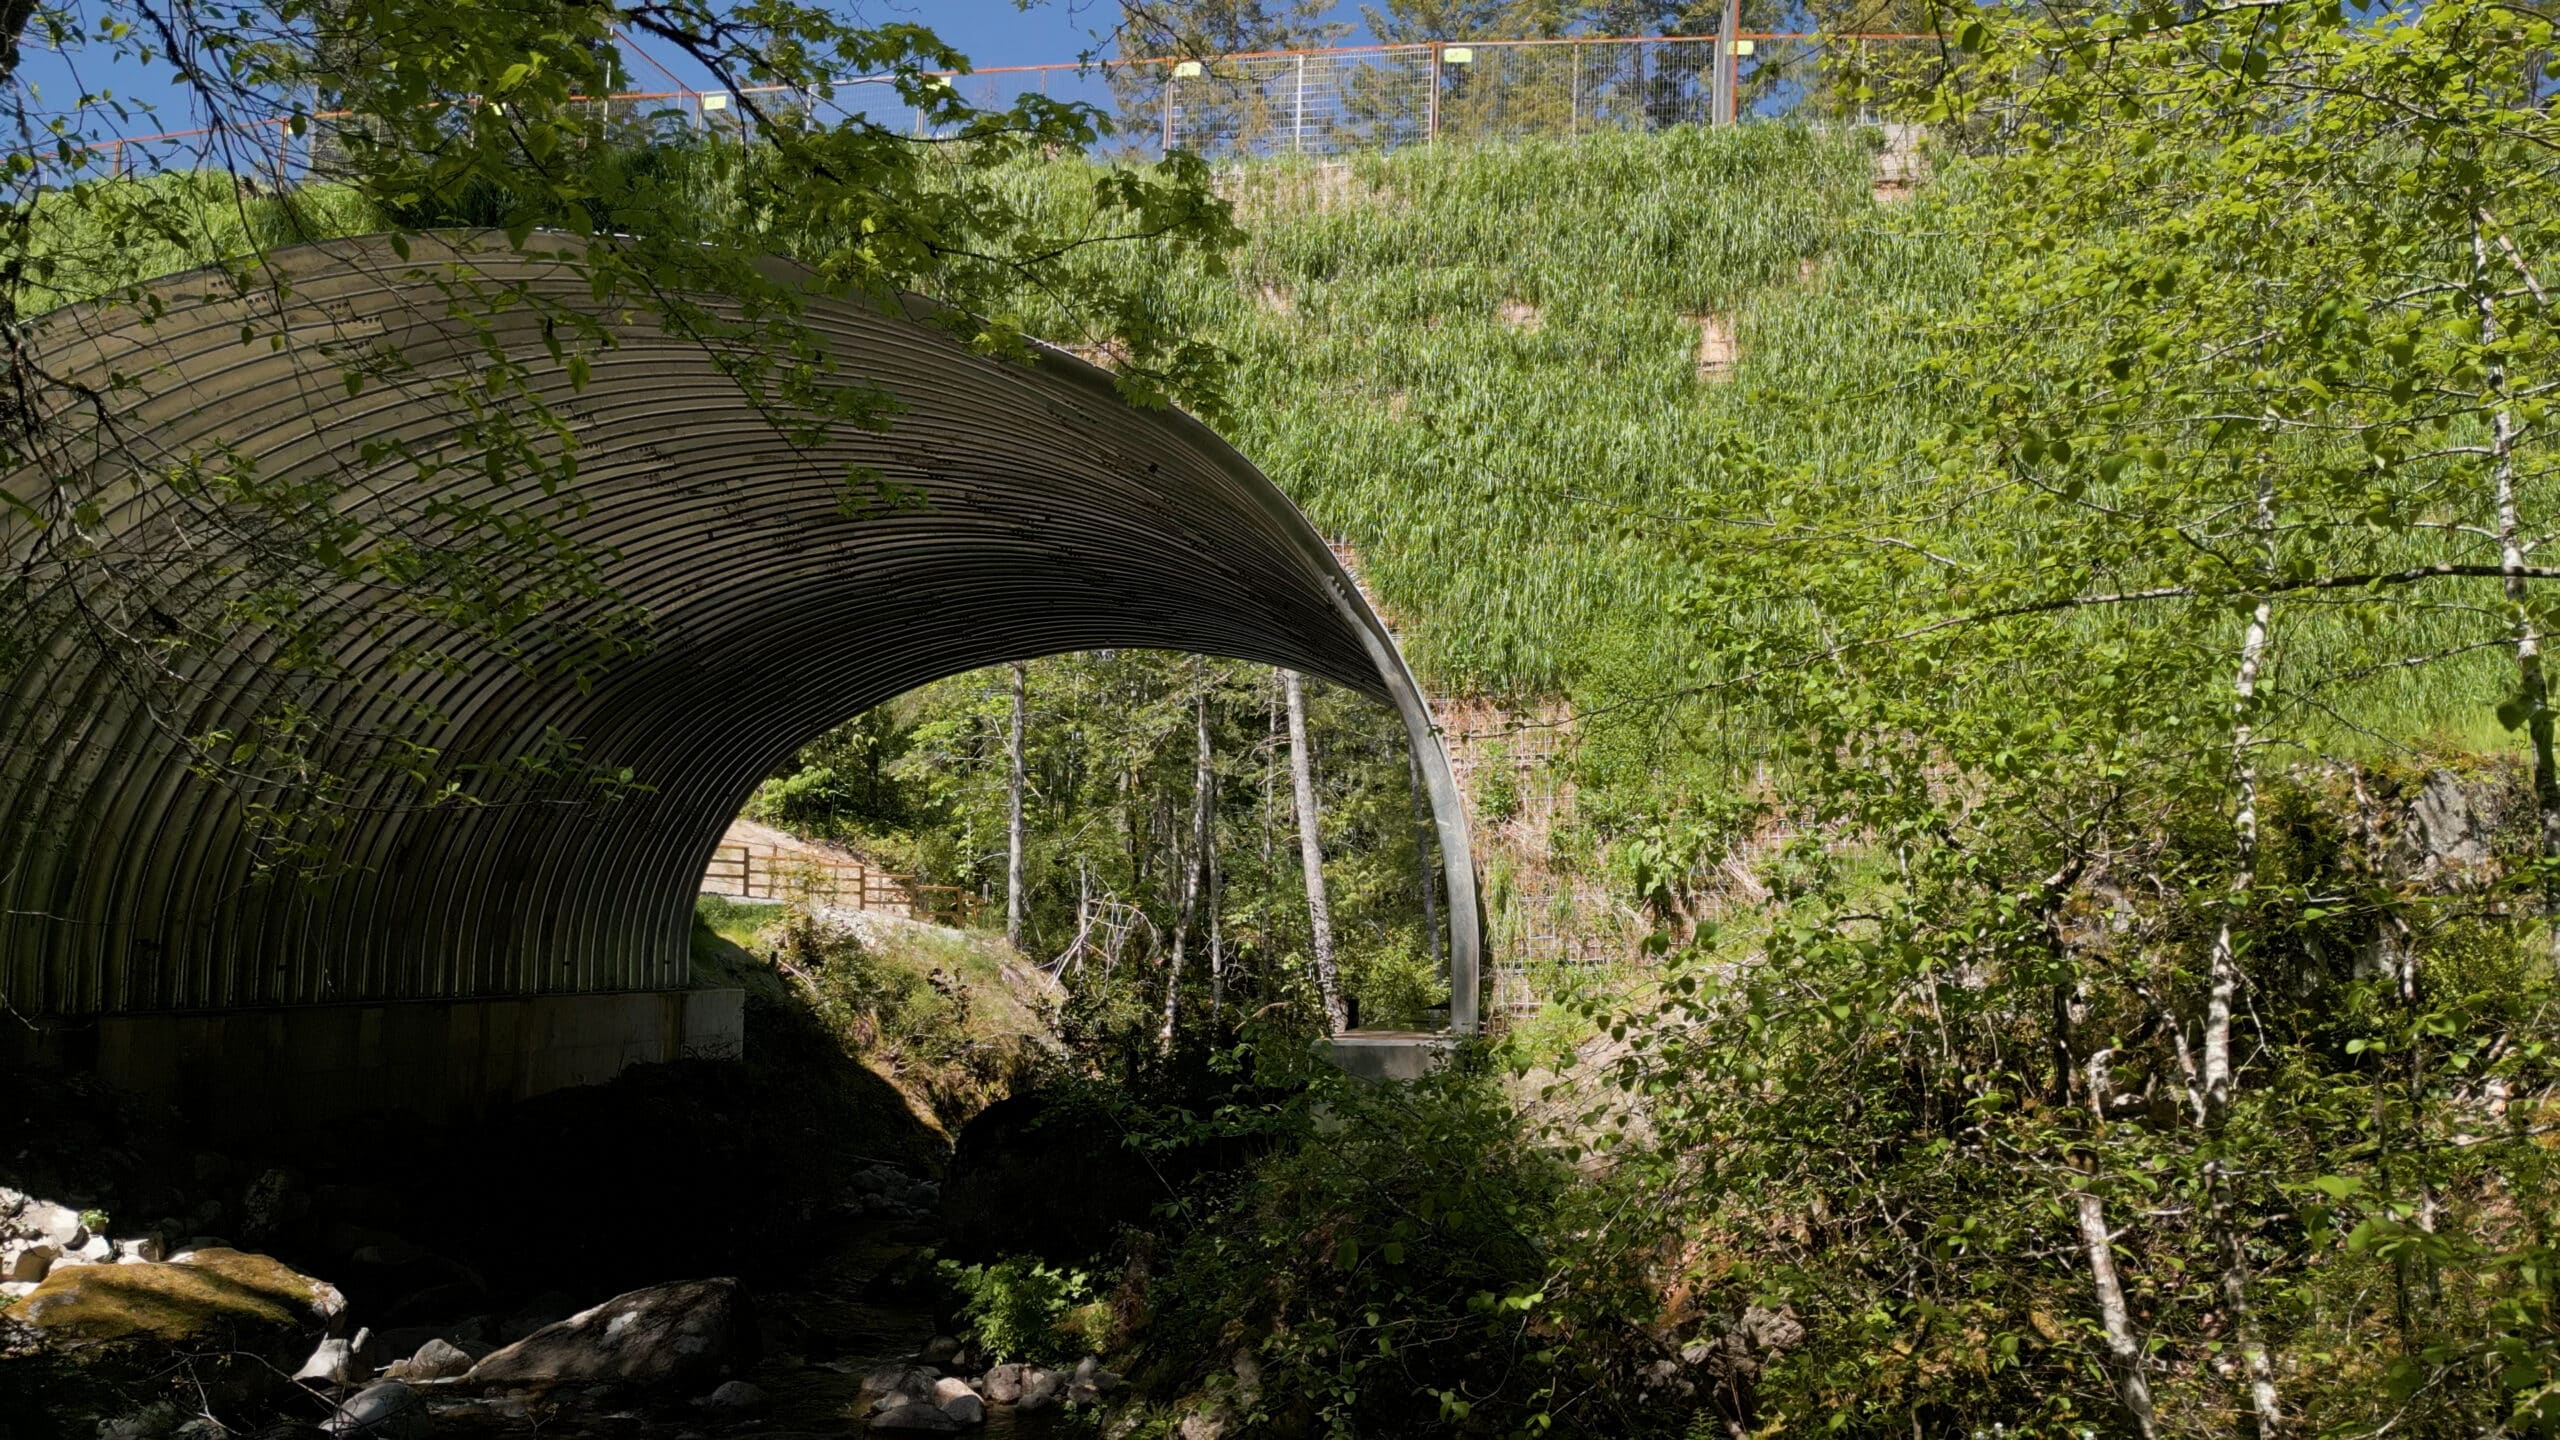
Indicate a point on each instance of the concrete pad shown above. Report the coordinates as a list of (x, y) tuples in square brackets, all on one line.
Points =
[(1388, 1054)]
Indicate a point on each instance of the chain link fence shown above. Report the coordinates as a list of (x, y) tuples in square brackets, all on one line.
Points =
[(1311, 102), (1381, 97)]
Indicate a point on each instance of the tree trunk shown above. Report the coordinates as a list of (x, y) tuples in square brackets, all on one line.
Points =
[(1422, 861), (1270, 775), (2115, 1318), (2224, 991), (1311, 855), (1217, 936), (2131, 1383), (1013, 869), (1194, 871), (2532, 687)]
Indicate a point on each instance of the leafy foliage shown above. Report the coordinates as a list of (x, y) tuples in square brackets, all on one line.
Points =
[(1387, 1266), (1018, 1309), (2078, 614), (1110, 756)]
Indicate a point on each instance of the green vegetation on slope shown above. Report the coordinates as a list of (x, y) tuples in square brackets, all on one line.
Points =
[(1481, 365), (950, 1017)]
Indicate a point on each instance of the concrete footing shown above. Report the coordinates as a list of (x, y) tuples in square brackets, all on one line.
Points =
[(1389, 1054), (235, 1072)]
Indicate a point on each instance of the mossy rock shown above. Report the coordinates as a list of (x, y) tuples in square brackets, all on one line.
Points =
[(220, 1297)]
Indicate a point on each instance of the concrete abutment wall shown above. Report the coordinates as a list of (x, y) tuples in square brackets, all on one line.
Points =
[(296, 1067)]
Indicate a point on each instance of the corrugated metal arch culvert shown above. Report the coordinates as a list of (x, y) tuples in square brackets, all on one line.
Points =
[(1056, 518)]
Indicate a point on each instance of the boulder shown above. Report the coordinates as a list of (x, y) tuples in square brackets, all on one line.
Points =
[(29, 1263), (900, 1386), (693, 1333), (145, 1251), (434, 1360), (950, 1388), (940, 1350), (337, 1361), (918, 1416), (908, 1380), (154, 1421), (28, 1218), (966, 1407), (1004, 1384), (1040, 1389), (218, 1297), (734, 1396), (1728, 1360), (2448, 831), (388, 1411)]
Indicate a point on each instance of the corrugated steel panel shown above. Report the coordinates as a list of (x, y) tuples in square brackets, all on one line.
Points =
[(1056, 518)]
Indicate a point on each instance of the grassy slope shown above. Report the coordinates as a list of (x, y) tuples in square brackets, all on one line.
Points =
[(1504, 478), (733, 945), (1512, 487)]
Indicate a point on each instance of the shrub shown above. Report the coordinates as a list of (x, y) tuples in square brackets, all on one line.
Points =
[(913, 1024), (1402, 1265), (1019, 1308)]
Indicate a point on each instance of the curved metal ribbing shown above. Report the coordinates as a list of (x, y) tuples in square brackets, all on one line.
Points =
[(1052, 516)]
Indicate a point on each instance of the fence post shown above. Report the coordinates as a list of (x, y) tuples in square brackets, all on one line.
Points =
[(1729, 62), (1433, 133), (1169, 79), (1298, 127), (1573, 106)]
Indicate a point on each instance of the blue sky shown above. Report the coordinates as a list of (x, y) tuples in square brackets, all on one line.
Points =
[(997, 32), (991, 32)]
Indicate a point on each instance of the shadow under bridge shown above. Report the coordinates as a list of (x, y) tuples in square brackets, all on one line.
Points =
[(789, 577)]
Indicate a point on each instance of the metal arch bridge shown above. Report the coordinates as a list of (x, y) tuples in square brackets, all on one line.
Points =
[(1056, 517)]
